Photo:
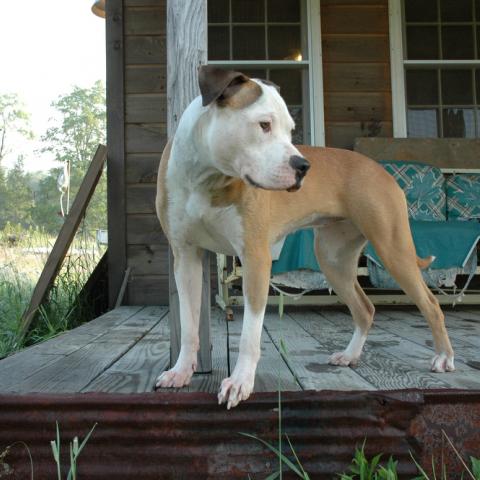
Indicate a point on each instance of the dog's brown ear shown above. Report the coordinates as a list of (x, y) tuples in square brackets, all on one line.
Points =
[(218, 84)]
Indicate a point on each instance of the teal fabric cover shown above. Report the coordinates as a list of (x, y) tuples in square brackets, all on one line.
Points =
[(424, 187), (297, 253), (463, 197), (450, 242)]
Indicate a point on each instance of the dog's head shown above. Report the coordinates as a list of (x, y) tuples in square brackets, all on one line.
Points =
[(250, 133)]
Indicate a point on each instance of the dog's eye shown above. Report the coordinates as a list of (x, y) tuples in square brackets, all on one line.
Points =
[(266, 126)]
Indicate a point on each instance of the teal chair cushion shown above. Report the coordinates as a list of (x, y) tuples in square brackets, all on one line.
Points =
[(424, 187), (463, 197)]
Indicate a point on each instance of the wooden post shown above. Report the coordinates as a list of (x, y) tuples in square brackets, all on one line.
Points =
[(116, 193), (186, 50)]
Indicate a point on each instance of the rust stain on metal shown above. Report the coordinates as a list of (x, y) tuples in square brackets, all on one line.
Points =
[(187, 435)]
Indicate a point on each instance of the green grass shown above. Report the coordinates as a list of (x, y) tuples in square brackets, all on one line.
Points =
[(21, 264)]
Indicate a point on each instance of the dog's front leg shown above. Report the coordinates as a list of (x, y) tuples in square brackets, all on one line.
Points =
[(256, 266), (188, 277)]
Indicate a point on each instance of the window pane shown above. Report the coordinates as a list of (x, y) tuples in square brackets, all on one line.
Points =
[(422, 87), (457, 87), (477, 81), (284, 43), (218, 43), (421, 10), (422, 43), (477, 10), (255, 73), (290, 83), (422, 123), (458, 122), (478, 40), (247, 11), (457, 42), (218, 11), (249, 43), (288, 12), (298, 136), (456, 10)]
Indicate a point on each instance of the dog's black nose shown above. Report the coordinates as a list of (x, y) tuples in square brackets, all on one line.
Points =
[(299, 164)]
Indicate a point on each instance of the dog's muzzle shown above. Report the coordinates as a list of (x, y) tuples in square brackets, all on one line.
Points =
[(301, 166)]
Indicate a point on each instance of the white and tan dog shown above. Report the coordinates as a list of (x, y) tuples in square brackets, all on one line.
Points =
[(224, 184)]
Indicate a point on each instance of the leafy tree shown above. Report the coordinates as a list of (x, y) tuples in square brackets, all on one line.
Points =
[(73, 139), (46, 212), (13, 119), (18, 196)]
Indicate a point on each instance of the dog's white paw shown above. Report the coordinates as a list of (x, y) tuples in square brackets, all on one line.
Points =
[(236, 388), (176, 377), (442, 363), (342, 359)]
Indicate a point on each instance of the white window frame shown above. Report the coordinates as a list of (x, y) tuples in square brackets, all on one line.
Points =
[(315, 71), (398, 64)]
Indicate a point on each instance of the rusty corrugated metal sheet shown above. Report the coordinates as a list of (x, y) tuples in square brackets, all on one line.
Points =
[(187, 435)]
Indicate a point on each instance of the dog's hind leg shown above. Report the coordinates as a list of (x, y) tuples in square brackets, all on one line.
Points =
[(401, 261), (188, 277), (337, 247)]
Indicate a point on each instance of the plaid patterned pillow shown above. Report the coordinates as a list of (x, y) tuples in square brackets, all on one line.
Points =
[(463, 197), (424, 187)]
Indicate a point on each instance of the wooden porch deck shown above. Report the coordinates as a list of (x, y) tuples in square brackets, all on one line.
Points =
[(124, 350)]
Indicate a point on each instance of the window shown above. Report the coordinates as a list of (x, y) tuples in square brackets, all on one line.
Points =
[(272, 40), (440, 66)]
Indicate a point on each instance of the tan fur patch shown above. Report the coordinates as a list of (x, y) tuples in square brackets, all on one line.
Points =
[(241, 95)]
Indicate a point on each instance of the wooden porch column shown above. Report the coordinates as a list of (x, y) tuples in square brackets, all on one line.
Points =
[(186, 50)]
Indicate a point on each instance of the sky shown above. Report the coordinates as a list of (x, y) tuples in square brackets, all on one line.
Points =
[(46, 47)]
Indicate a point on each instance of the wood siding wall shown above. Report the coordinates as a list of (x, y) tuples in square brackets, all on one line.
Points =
[(357, 103), (356, 70), (145, 137)]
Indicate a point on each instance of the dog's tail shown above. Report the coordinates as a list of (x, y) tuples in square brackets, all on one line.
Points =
[(425, 262)]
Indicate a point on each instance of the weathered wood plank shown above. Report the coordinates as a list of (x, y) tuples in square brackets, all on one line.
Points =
[(142, 168), (137, 370), (358, 107), (308, 360), (210, 382), (188, 47), (378, 368), (440, 152), (141, 198), (343, 134), (145, 229), (145, 20), (146, 108), (146, 79), (358, 77), (271, 368), (354, 19), (355, 48), (145, 50), (415, 328), (148, 259), (148, 290), (407, 352), (24, 364), (74, 372), (145, 137)]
